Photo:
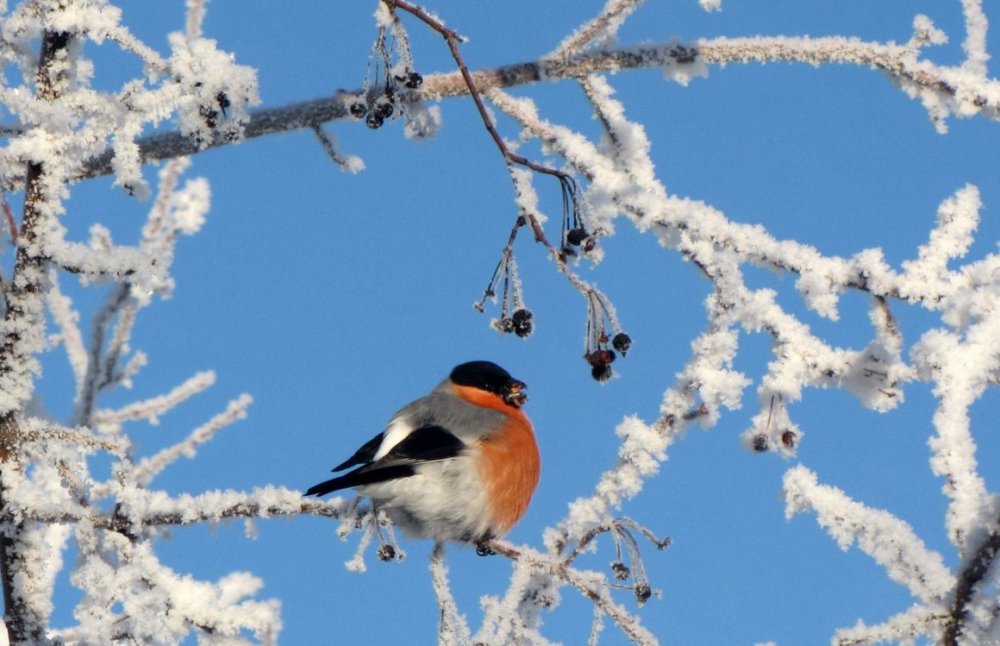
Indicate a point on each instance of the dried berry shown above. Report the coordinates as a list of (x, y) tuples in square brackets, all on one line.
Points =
[(576, 236), (788, 438), (521, 322), (414, 80), (620, 571), (504, 325), (374, 120), (358, 109), (600, 372), (643, 592), (759, 443), (383, 107), (601, 357), (622, 342), (386, 552)]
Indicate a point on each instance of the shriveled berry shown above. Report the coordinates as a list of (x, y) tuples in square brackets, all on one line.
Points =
[(576, 236), (622, 342), (620, 571), (759, 443), (414, 80), (788, 438), (358, 109), (600, 372), (374, 120), (643, 592), (521, 321), (601, 357), (386, 552), (383, 107)]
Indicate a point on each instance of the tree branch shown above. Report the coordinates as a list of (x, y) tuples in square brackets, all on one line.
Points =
[(628, 623), (897, 61), (974, 572), (22, 338)]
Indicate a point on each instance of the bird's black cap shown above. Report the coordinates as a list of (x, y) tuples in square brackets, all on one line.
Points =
[(490, 377)]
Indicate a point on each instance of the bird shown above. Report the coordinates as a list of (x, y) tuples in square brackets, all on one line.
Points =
[(459, 464)]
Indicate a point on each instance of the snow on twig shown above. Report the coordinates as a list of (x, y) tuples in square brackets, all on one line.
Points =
[(151, 409), (453, 629), (598, 30), (68, 321), (148, 468), (887, 539)]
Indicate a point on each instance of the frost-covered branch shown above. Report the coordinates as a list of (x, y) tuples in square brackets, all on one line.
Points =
[(887, 539), (973, 581), (591, 585), (22, 339), (147, 469), (944, 90), (151, 409), (453, 629), (70, 132)]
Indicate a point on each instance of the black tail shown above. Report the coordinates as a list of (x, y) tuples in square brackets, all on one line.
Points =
[(362, 476)]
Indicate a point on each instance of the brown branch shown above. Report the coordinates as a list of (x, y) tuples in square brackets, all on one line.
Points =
[(452, 38), (970, 577)]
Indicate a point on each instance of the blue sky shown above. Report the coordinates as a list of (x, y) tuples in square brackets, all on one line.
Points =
[(334, 299)]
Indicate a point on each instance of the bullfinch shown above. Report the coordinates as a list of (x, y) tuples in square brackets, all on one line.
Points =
[(459, 464)]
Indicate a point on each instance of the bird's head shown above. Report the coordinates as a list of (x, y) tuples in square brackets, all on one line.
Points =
[(488, 376)]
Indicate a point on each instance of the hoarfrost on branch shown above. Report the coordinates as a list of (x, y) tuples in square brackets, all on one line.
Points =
[(59, 129)]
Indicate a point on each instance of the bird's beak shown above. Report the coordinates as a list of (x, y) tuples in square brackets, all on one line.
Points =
[(516, 395)]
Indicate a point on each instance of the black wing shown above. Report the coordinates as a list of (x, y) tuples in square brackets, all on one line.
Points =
[(363, 455), (425, 444)]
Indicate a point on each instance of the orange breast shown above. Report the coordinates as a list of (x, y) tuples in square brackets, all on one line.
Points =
[(509, 465)]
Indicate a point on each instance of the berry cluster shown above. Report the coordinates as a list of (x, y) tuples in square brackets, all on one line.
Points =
[(623, 530), (377, 106), (600, 316), (514, 316), (761, 442), (386, 83), (574, 233), (788, 437)]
